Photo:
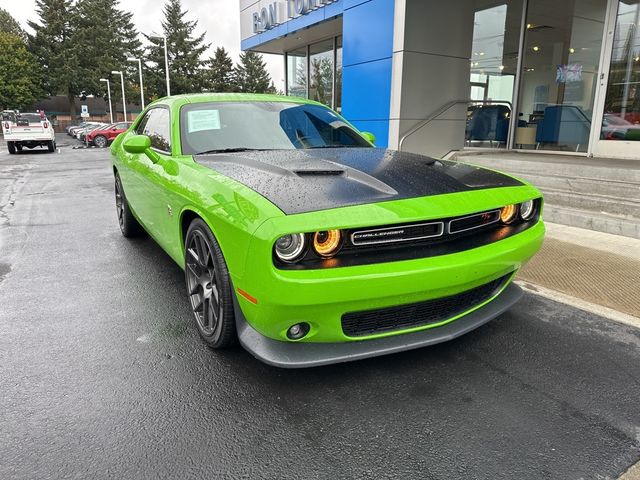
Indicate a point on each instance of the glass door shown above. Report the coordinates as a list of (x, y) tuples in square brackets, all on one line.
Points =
[(619, 132), (493, 66), (561, 56)]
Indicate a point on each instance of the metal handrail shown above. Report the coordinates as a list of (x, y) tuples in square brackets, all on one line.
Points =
[(430, 118)]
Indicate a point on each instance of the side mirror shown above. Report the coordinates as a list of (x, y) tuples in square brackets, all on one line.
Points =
[(137, 144), (369, 137)]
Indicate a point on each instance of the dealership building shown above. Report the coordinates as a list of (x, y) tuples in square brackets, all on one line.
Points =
[(433, 77)]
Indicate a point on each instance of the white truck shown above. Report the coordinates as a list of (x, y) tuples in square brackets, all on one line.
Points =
[(27, 130)]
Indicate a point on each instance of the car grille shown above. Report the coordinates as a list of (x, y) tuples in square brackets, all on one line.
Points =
[(370, 322)]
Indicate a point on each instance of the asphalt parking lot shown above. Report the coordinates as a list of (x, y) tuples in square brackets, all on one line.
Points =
[(104, 375)]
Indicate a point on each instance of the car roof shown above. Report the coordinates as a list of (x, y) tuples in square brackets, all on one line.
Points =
[(179, 100)]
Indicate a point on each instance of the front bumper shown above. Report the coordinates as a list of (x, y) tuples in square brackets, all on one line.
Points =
[(321, 297), (300, 355)]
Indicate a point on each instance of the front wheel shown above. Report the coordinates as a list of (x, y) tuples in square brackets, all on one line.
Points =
[(11, 147), (100, 141), (209, 287), (129, 226)]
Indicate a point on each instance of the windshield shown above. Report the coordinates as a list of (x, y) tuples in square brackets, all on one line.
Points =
[(207, 127)]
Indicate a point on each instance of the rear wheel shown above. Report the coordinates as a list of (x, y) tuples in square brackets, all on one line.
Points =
[(100, 141), (51, 146), (129, 226), (11, 147), (209, 287)]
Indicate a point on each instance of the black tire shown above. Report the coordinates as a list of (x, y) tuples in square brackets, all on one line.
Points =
[(11, 147), (129, 226), (209, 287), (100, 141), (51, 146), (19, 148)]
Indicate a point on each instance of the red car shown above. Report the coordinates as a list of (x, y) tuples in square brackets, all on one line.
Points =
[(104, 136)]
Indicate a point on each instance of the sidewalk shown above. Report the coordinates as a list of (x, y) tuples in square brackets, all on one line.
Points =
[(593, 267)]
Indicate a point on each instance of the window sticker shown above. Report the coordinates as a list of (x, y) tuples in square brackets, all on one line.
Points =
[(199, 120)]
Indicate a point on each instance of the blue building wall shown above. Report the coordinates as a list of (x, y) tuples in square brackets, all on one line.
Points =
[(367, 56)]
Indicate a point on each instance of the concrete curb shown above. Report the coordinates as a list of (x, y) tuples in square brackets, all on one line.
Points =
[(580, 304)]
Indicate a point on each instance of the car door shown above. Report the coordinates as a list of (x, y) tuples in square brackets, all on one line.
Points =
[(116, 130), (152, 175)]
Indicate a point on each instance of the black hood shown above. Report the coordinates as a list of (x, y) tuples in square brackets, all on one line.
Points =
[(299, 181)]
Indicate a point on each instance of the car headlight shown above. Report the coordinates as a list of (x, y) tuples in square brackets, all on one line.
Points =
[(326, 243), (290, 247), (508, 213), (527, 210)]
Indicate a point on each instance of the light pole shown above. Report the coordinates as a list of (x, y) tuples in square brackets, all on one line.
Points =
[(132, 59), (109, 94), (124, 101), (166, 61)]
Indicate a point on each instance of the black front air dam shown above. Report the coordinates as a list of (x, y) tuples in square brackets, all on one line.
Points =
[(301, 355)]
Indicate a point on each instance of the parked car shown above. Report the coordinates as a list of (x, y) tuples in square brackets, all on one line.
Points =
[(616, 128), (101, 137), (82, 133), (308, 244), (71, 130), (28, 130)]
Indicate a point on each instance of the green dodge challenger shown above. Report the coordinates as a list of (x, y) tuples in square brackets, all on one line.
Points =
[(309, 245)]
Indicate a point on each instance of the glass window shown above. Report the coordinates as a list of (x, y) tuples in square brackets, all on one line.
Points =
[(297, 73), (560, 71), (493, 63), (321, 72), (338, 88), (156, 126), (216, 126), (622, 104)]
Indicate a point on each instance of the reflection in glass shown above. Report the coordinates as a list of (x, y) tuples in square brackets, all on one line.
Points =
[(338, 80), (622, 104), (321, 72), (560, 69), (493, 66), (297, 73)]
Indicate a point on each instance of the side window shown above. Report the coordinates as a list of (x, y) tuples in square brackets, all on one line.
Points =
[(142, 124), (122, 126), (157, 128)]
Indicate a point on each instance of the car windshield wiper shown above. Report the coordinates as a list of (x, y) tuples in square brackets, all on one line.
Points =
[(233, 149)]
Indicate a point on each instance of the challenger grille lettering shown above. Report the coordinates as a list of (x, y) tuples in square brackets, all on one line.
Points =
[(395, 234)]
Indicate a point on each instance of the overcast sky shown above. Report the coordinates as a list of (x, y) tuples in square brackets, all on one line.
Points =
[(219, 19)]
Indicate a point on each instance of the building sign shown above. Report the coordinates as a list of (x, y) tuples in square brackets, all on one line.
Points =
[(276, 13)]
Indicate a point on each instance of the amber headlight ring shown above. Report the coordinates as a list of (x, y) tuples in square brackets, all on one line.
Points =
[(327, 243)]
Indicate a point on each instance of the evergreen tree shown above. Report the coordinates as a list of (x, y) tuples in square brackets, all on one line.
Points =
[(105, 46), (51, 47), (219, 76), (8, 24), (185, 53), (251, 75), (19, 73)]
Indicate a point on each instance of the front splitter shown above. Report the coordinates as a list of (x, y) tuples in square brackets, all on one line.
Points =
[(302, 355)]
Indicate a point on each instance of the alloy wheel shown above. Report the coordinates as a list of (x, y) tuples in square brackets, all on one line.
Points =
[(119, 205), (203, 284)]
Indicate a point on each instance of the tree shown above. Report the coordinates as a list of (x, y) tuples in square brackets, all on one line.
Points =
[(19, 76), (219, 76), (51, 47), (251, 75), (105, 46), (8, 24), (185, 53)]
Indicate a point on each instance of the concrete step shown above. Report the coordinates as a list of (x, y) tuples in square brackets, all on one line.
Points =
[(558, 166), (625, 190), (598, 221), (593, 202)]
